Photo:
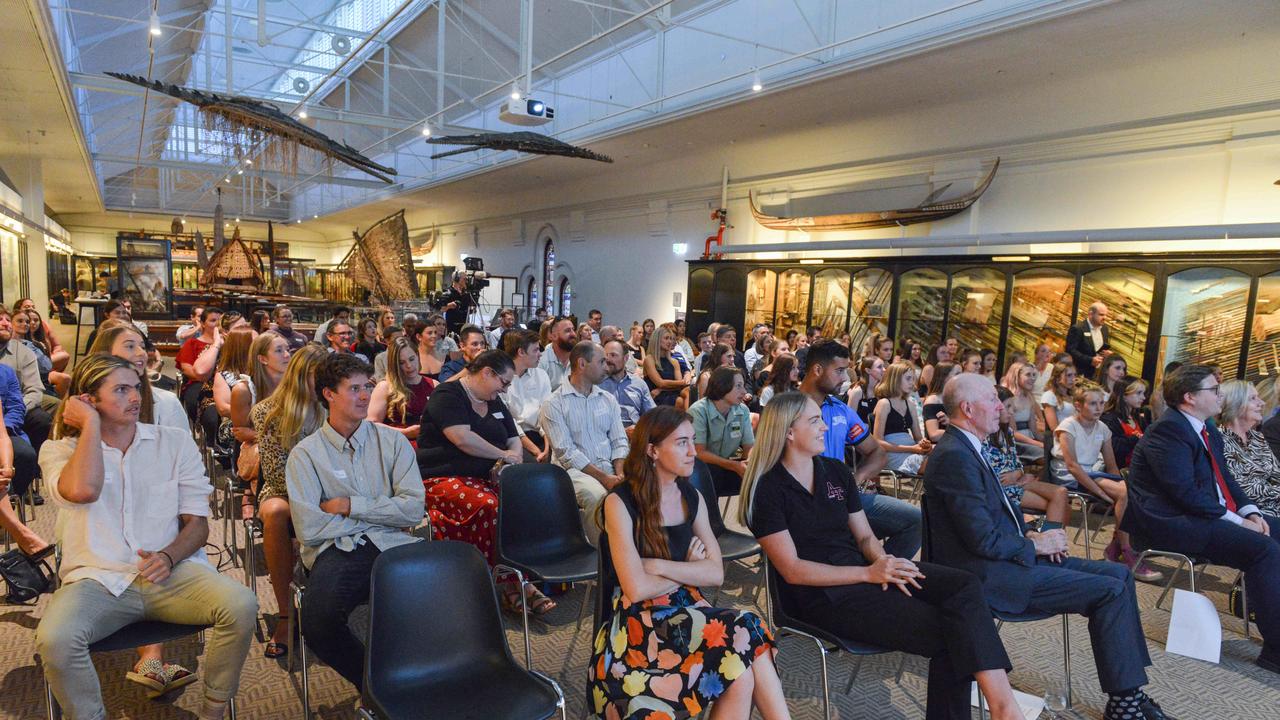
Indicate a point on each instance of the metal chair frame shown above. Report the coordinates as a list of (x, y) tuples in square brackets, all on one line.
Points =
[(1002, 618), (1191, 562)]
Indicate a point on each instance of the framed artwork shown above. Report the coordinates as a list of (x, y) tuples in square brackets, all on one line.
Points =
[(517, 300), (138, 247), (146, 276)]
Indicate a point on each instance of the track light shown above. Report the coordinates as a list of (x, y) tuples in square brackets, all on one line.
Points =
[(426, 130), (756, 85), (302, 114), (240, 171), (247, 161), (226, 180), (155, 24), (515, 91)]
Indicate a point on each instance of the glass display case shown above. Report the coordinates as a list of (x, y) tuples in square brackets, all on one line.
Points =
[(793, 302), (871, 300), (1204, 315), (1262, 366), (762, 286), (922, 296), (1040, 310), (1127, 293), (977, 308), (830, 302)]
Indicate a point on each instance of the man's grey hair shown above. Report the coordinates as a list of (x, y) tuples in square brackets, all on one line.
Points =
[(965, 387)]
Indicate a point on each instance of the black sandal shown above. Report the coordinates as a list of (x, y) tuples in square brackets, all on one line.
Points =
[(41, 554), (276, 649)]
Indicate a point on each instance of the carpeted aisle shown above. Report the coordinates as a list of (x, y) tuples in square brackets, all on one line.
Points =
[(1189, 689)]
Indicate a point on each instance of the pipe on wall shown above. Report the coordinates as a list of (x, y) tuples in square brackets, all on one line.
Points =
[(1242, 231)]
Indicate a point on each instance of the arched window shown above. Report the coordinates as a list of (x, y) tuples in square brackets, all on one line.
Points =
[(548, 276), (531, 298), (566, 293)]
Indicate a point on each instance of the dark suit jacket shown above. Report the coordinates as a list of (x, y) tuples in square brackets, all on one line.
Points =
[(968, 525), (1173, 496), (1080, 347)]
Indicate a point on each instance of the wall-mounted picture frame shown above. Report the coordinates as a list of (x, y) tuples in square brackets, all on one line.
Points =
[(145, 274), (136, 247)]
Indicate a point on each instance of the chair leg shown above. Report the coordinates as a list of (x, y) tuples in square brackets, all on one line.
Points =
[(1066, 654), (1182, 561), (826, 688), (586, 600), (231, 709), (1244, 608), (524, 611), (902, 667), (853, 674), (250, 562)]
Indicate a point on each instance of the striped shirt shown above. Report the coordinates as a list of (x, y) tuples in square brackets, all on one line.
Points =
[(584, 429)]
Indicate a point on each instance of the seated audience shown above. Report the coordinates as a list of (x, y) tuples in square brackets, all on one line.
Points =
[(340, 313), (1083, 461), (939, 354), (1043, 361), (583, 426), (1249, 458), (755, 345), (467, 436), (340, 337), (368, 342), (426, 339), (862, 393), (27, 330), (1126, 417), (505, 322), (805, 510), (784, 376), (196, 359), (893, 427), (399, 399), (666, 379), (528, 392), (1057, 403), (39, 405), (133, 522), (18, 466), (721, 355), (280, 420), (988, 359), (913, 353), (658, 551), (42, 332), (1158, 407), (970, 362), (704, 345), (722, 430), (282, 315), (354, 490), (191, 328), (896, 522), (472, 342), (974, 527), (935, 416), (1112, 370), (389, 335), (632, 395), (684, 348), (555, 353), (234, 365), (1028, 417), (1183, 497), (585, 333), (1023, 489)]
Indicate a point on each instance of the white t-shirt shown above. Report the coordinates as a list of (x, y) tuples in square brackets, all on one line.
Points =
[(1086, 443), (1065, 409)]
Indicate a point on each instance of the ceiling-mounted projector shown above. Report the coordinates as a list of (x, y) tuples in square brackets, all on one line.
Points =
[(526, 111)]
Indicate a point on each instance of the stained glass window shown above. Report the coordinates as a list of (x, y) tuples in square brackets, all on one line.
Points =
[(566, 295), (548, 277)]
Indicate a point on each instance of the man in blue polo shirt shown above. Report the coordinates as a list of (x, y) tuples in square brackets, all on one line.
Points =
[(895, 522)]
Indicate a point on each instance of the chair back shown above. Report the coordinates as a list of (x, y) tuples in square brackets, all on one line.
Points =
[(702, 482), (411, 641), (538, 517)]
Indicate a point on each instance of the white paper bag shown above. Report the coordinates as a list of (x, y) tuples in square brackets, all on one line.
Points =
[(1195, 630)]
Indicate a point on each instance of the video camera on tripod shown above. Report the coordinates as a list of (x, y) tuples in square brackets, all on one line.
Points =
[(477, 278)]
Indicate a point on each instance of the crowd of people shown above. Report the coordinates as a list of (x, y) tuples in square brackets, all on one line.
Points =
[(350, 437)]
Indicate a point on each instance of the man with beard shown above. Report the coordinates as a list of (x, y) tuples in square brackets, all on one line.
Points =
[(632, 395), (473, 343), (555, 356), (895, 522)]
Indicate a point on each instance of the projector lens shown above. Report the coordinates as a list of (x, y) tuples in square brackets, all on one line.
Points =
[(536, 108)]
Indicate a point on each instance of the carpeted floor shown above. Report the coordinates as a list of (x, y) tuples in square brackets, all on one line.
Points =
[(1188, 689)]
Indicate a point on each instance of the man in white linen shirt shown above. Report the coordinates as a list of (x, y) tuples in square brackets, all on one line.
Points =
[(133, 504), (584, 428), (529, 390), (354, 492)]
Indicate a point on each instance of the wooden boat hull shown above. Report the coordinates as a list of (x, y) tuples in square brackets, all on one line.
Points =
[(926, 212)]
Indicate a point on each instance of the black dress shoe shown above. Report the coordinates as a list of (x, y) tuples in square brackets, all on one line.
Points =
[(1147, 709), (37, 499)]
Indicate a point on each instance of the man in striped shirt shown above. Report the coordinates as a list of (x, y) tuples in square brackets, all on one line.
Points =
[(583, 424)]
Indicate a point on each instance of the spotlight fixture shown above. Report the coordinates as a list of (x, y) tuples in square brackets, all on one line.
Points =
[(226, 180), (247, 161), (315, 217), (515, 91), (302, 113), (299, 221), (237, 221), (240, 171), (155, 24), (426, 130), (756, 85)]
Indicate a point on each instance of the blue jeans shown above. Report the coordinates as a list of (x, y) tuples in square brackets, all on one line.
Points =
[(894, 521)]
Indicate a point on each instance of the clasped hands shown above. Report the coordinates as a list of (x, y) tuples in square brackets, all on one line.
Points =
[(889, 570), (1257, 524), (1051, 544)]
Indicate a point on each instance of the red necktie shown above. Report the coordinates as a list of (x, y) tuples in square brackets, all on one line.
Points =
[(1217, 474)]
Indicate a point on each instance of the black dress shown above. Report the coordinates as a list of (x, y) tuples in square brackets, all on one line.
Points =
[(672, 655), (667, 370), (948, 621), (449, 406)]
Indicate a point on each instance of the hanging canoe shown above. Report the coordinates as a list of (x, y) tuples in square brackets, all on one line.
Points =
[(927, 211)]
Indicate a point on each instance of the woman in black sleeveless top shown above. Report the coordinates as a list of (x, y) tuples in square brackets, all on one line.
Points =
[(663, 650)]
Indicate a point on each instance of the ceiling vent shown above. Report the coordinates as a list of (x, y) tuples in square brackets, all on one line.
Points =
[(341, 44), (301, 85)]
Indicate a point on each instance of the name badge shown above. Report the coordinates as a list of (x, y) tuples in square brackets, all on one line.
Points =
[(497, 416), (735, 429), (340, 474)]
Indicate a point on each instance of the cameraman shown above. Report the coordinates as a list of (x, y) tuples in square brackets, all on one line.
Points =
[(457, 303)]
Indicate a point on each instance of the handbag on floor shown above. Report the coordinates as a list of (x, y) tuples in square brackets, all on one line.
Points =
[(25, 579), (1235, 602)]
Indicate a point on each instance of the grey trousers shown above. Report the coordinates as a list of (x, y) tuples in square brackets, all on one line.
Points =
[(84, 612)]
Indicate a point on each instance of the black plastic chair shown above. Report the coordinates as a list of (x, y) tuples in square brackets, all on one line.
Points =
[(146, 632), (540, 533), (733, 545), (785, 624), (444, 665)]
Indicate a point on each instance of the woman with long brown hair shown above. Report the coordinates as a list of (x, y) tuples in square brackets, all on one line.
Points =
[(658, 549), (399, 399)]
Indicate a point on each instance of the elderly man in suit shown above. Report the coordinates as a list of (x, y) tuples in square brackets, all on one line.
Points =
[(1087, 341), (1182, 498), (971, 525)]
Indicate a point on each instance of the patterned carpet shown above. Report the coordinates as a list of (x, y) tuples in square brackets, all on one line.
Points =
[(1188, 689)]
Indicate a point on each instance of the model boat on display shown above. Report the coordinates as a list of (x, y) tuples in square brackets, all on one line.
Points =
[(928, 211), (525, 142), (253, 122), (381, 262), (234, 267)]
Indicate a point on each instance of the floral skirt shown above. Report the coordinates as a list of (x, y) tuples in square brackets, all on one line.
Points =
[(670, 656), (466, 509)]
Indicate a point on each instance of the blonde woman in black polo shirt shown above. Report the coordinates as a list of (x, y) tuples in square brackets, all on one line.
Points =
[(806, 512)]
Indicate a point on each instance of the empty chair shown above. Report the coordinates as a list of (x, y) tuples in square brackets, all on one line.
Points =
[(733, 545), (444, 665)]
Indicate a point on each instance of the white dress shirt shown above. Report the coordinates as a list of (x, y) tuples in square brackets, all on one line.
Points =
[(144, 490), (525, 397), (1197, 425), (1095, 331), (584, 429), (167, 410)]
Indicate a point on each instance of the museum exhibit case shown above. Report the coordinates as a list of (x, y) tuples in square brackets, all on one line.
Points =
[(1221, 308)]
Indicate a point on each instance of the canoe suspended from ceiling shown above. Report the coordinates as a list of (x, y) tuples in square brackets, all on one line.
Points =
[(928, 211)]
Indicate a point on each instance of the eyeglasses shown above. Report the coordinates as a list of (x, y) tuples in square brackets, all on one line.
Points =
[(1217, 389)]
